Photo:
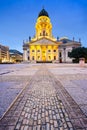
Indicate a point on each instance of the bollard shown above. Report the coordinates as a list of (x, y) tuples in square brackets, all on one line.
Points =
[(82, 62)]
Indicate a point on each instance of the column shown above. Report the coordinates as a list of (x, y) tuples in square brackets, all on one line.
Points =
[(52, 54), (24, 55), (64, 54), (46, 53), (40, 54), (35, 48), (57, 54)]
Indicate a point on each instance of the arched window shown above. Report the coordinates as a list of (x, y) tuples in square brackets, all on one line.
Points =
[(54, 50), (38, 50), (54, 57)]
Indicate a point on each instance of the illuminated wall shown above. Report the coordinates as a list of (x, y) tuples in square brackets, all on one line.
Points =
[(43, 53)]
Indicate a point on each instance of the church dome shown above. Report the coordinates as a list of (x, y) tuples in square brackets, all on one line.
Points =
[(43, 12)]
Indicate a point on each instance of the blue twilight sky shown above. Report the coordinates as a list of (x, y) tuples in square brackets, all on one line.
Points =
[(18, 18)]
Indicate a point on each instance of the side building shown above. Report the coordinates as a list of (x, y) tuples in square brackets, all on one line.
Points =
[(65, 47), (4, 54), (15, 56)]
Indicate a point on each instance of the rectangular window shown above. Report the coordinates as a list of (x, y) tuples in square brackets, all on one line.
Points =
[(28, 58), (68, 53)]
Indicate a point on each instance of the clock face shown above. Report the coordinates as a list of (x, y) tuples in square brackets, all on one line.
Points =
[(43, 20)]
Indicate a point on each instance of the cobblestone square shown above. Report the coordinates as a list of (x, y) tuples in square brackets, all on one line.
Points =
[(43, 97)]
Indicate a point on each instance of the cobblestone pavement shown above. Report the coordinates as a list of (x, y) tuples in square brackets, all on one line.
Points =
[(13, 79), (44, 105)]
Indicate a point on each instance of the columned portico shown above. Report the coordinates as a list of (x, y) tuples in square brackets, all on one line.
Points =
[(43, 53), (43, 47)]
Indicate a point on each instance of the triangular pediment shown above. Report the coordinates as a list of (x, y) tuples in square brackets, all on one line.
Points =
[(44, 41)]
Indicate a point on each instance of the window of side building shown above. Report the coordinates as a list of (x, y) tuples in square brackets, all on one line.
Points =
[(68, 52), (60, 55), (28, 51), (28, 58)]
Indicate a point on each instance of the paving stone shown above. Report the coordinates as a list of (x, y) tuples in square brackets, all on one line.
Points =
[(26, 128), (22, 128), (55, 124), (45, 105), (18, 126), (48, 126)]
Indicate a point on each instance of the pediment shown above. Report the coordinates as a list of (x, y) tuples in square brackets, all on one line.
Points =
[(44, 41)]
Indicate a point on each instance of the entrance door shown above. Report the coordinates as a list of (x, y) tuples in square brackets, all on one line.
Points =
[(44, 56), (44, 53)]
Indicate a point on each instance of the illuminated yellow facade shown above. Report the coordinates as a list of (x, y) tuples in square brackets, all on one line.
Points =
[(43, 52), (43, 47)]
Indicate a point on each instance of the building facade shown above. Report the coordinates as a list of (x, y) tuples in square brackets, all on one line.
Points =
[(4, 54), (43, 47), (65, 47), (15, 56)]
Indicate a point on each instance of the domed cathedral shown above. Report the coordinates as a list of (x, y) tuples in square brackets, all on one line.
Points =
[(43, 47)]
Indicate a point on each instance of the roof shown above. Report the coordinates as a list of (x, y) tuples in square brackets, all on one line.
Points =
[(66, 40), (44, 41), (43, 12), (12, 51)]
